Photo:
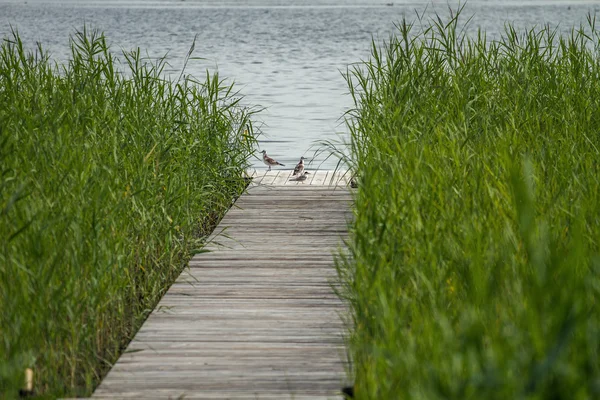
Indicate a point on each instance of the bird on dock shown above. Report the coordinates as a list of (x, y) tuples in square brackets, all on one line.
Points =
[(301, 177), (299, 167), (269, 162)]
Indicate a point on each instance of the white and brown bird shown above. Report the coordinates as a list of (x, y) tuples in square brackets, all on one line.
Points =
[(269, 162), (300, 177), (299, 167)]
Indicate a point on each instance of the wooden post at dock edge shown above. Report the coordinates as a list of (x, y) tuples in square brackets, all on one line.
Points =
[(28, 391)]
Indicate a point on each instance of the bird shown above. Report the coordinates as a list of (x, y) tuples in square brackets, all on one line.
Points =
[(300, 167), (269, 161), (300, 177)]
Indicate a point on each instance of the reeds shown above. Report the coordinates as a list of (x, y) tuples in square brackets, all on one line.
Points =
[(474, 266), (108, 183)]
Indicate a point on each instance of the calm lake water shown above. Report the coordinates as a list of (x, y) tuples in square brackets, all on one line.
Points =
[(285, 56)]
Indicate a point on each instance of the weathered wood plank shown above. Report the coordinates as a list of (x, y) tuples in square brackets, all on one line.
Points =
[(285, 260), (281, 256), (217, 395), (212, 270), (263, 178), (289, 202), (309, 190), (318, 178), (282, 177), (257, 316), (332, 214), (285, 243), (338, 178), (308, 304)]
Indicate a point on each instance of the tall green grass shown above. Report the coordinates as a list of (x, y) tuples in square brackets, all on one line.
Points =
[(474, 264), (108, 182)]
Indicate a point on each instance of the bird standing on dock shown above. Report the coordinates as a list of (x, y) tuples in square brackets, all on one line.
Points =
[(299, 167), (300, 177), (269, 161)]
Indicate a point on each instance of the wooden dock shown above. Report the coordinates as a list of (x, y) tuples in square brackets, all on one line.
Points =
[(256, 317)]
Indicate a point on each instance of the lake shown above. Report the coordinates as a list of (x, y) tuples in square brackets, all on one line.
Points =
[(285, 56)]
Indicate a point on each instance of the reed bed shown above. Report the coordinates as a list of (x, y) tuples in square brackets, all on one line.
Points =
[(474, 266), (108, 182)]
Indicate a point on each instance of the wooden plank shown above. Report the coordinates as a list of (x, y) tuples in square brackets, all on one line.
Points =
[(270, 177), (319, 178), (313, 178), (262, 262), (257, 316), (265, 177), (289, 231), (305, 217), (297, 212), (282, 256), (258, 177), (251, 173), (338, 178), (310, 190), (282, 177), (218, 395), (282, 238), (292, 201), (273, 192)]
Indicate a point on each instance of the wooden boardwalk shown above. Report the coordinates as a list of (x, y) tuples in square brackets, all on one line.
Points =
[(255, 318)]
